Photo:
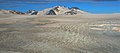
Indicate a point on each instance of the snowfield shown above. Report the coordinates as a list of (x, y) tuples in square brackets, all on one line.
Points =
[(89, 33)]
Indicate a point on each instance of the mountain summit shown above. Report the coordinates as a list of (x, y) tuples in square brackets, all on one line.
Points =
[(56, 10), (61, 10)]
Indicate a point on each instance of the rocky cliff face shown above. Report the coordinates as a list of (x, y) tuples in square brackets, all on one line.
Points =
[(61, 10)]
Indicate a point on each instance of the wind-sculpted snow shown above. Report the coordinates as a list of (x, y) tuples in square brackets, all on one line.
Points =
[(58, 34), (88, 39)]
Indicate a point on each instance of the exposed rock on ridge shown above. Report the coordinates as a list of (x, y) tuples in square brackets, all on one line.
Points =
[(11, 12)]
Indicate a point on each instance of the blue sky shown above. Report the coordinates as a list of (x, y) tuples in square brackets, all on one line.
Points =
[(92, 6)]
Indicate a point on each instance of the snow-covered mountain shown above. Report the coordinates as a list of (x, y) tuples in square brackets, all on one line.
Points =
[(56, 10), (61, 10)]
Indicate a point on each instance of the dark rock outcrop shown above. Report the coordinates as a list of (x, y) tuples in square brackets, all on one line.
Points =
[(51, 12), (32, 12), (16, 12), (70, 13)]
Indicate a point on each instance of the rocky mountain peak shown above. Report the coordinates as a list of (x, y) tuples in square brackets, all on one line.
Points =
[(56, 10)]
